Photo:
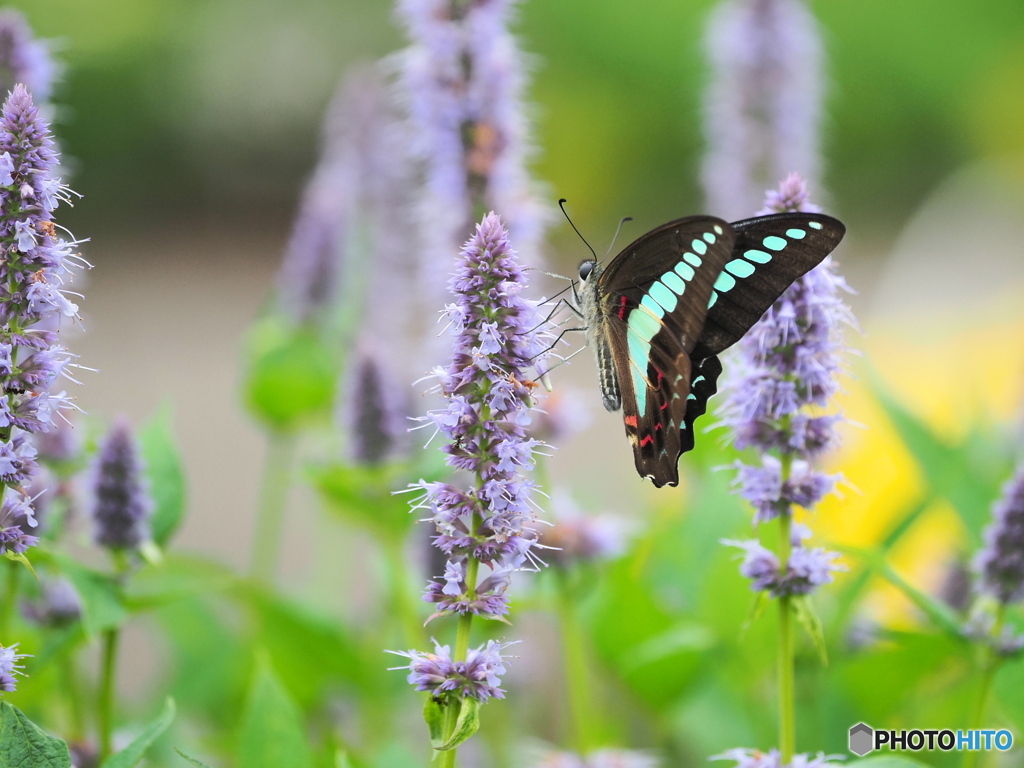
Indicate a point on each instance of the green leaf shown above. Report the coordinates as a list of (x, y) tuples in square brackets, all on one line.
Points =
[(272, 734), (191, 759), (365, 496), (292, 375), (466, 725), (21, 559), (165, 474), (178, 578), (102, 600), (433, 714), (809, 620), (129, 756), (23, 744)]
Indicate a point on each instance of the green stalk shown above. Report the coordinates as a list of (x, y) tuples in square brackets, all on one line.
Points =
[(106, 701), (577, 673), (10, 599), (73, 695), (787, 699), (451, 714), (989, 666), (266, 546), (412, 630)]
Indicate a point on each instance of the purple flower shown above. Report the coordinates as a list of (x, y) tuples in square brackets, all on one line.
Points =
[(9, 667), (16, 519), (59, 604), (602, 758), (763, 104), (497, 337), (1000, 563), (374, 423), (462, 80), (752, 758), (577, 537), (23, 59), (477, 677), (120, 502), (806, 569)]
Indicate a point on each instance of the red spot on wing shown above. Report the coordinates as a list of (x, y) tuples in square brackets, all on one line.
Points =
[(630, 421), (646, 440), (664, 406), (661, 378), (622, 307), (657, 426)]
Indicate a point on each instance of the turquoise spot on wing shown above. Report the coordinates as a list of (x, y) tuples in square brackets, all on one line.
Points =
[(709, 237), (815, 225), (759, 256), (643, 323), (639, 350), (691, 396), (671, 279), (740, 268), (691, 259), (796, 234), (713, 299), (698, 380), (685, 270), (699, 246), (775, 243), (725, 282), (662, 295), (718, 229)]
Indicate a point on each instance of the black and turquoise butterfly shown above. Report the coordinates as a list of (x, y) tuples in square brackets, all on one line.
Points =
[(660, 313)]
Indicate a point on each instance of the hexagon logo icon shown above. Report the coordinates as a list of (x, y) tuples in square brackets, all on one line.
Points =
[(861, 739)]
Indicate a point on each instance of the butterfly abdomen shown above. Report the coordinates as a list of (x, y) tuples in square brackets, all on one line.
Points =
[(597, 338)]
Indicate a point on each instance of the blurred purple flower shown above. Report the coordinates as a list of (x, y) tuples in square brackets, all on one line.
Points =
[(374, 422), (462, 80), (806, 569), (59, 604), (23, 59), (752, 758), (763, 104), (576, 537), (120, 504), (9, 667), (477, 677), (1000, 563), (602, 758)]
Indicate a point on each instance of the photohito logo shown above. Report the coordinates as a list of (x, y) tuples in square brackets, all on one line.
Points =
[(864, 739)]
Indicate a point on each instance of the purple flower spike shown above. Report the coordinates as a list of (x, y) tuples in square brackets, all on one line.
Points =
[(9, 667), (488, 396), (785, 371), (1000, 563), (121, 505), (23, 59), (752, 758), (462, 79), (763, 104)]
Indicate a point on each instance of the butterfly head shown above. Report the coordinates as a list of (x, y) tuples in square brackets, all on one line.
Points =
[(589, 268)]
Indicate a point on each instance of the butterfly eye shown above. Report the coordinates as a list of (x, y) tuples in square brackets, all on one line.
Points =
[(585, 269)]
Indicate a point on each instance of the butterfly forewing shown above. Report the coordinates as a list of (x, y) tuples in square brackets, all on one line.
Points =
[(654, 297), (769, 254)]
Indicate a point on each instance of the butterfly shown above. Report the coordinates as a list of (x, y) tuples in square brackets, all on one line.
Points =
[(659, 314)]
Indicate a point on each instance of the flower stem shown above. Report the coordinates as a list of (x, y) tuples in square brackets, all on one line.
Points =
[(577, 675), (989, 666), (10, 600), (266, 547), (106, 702), (72, 693), (400, 595), (447, 759), (787, 701)]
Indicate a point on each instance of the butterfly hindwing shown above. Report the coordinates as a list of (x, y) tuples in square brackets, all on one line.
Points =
[(703, 384), (769, 254), (654, 299)]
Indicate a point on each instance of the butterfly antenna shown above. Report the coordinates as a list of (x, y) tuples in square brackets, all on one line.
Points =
[(622, 221), (561, 204)]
